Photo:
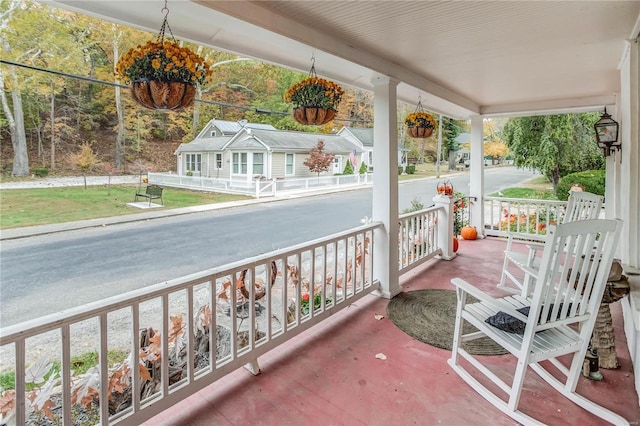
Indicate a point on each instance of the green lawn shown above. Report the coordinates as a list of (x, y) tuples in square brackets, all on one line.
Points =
[(536, 189), (41, 206)]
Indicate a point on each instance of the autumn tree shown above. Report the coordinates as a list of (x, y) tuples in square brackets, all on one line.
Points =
[(495, 149), (40, 36), (556, 145), (85, 160), (319, 161)]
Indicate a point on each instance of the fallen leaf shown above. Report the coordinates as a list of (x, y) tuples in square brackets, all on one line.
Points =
[(381, 356), (378, 317)]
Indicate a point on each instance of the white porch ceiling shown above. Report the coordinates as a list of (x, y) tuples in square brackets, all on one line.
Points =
[(461, 57)]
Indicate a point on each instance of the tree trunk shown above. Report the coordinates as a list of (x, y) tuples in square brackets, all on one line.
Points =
[(52, 117), (18, 135), (196, 112), (555, 178), (120, 135), (452, 160)]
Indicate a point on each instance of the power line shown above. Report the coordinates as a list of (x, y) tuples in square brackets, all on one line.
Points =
[(204, 101)]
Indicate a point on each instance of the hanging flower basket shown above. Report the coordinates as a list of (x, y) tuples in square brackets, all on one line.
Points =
[(313, 116), (169, 95), (163, 75), (315, 99), (420, 124)]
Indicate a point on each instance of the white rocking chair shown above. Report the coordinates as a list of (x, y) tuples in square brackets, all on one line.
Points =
[(517, 267), (562, 312)]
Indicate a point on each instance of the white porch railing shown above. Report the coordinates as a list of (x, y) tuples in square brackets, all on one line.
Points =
[(253, 306), (505, 215), (418, 239), (258, 188)]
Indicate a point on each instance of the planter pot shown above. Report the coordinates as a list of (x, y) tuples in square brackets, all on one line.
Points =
[(313, 116), (163, 95), (419, 132)]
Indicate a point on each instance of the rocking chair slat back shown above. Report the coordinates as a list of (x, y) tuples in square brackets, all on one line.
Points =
[(570, 268)]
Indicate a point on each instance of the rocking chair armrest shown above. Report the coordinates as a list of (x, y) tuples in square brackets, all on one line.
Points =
[(534, 247), (529, 270), (484, 297), (530, 238)]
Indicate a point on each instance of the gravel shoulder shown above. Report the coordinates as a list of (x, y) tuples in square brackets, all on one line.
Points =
[(59, 182)]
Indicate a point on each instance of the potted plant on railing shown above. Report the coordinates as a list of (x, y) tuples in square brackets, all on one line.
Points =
[(420, 124), (315, 99), (163, 75)]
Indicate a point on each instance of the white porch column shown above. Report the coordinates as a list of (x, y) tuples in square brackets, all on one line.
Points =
[(476, 175), (628, 116), (385, 185)]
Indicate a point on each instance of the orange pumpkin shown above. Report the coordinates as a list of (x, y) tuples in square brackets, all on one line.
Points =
[(469, 232), (455, 244)]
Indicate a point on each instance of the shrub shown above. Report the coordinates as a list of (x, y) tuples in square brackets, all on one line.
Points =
[(400, 170), (416, 205), (348, 169), (411, 169), (363, 168), (592, 180), (41, 171)]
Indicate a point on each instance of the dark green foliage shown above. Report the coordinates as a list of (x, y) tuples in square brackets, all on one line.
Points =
[(411, 169), (363, 168), (416, 205), (556, 145), (41, 171), (400, 168), (348, 169), (592, 180), (450, 130)]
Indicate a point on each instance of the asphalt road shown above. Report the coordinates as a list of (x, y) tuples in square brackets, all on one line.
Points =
[(45, 274)]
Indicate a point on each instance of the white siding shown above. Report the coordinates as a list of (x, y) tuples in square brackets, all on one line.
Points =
[(277, 165)]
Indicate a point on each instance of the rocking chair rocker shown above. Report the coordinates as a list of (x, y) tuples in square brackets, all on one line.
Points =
[(567, 291)]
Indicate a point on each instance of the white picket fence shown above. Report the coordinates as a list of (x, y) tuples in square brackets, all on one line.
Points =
[(259, 187)]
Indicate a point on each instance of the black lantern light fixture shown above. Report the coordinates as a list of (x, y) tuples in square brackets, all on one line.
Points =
[(607, 134)]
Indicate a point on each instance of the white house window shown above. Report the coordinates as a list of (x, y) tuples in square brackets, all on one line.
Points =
[(370, 159), (214, 133), (288, 167), (240, 163), (194, 162), (258, 163), (218, 162)]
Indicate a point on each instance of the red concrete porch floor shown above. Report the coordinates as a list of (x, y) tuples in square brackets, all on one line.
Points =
[(330, 376)]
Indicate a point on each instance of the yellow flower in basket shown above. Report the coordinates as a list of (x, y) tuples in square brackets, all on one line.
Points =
[(162, 61)]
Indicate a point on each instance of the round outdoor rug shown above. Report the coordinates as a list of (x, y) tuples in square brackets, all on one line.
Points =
[(430, 315)]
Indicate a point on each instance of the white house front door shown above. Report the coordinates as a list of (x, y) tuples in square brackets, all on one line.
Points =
[(337, 164)]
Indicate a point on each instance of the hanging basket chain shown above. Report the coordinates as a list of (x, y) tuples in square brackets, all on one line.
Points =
[(312, 71), (165, 25), (419, 107)]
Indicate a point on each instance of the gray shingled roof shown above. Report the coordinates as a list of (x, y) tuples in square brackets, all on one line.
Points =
[(204, 144), (364, 135), (281, 140)]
